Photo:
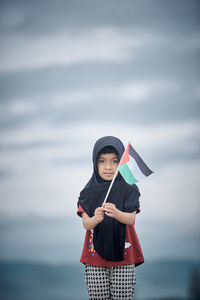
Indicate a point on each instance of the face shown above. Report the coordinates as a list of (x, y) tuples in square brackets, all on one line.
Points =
[(107, 165)]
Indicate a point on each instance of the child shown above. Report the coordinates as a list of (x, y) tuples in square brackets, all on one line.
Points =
[(111, 249)]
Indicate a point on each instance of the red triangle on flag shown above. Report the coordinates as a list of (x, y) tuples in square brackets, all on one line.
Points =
[(125, 157)]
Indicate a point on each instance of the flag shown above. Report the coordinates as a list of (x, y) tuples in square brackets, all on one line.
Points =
[(132, 167)]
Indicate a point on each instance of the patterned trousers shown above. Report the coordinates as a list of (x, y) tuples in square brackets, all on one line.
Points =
[(110, 282)]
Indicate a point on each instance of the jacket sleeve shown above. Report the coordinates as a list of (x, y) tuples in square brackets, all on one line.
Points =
[(80, 211), (132, 202)]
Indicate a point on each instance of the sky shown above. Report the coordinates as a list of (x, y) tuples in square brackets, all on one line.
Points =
[(74, 71)]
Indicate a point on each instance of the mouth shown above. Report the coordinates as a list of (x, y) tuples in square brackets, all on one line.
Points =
[(108, 174)]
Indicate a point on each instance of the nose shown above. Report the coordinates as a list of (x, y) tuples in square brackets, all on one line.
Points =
[(108, 166)]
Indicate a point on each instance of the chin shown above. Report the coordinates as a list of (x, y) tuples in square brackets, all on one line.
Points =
[(108, 178)]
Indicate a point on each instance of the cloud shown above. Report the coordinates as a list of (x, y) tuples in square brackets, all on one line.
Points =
[(47, 191), (103, 44), (107, 44), (4, 173), (189, 44), (39, 18), (130, 91), (42, 212), (46, 179), (13, 16), (75, 135), (197, 92), (18, 107), (134, 102), (172, 193), (44, 146), (69, 76)]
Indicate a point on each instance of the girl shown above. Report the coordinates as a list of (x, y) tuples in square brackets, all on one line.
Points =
[(111, 249)]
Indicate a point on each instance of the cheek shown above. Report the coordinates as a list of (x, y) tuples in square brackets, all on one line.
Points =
[(99, 168), (115, 167)]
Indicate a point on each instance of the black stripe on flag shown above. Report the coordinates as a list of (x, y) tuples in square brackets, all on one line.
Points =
[(141, 164)]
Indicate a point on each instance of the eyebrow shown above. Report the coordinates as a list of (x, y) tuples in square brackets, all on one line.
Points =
[(101, 156)]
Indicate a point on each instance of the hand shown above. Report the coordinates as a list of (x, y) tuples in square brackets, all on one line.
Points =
[(99, 214), (110, 210)]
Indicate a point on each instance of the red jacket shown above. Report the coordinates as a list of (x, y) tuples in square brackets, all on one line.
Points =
[(132, 251)]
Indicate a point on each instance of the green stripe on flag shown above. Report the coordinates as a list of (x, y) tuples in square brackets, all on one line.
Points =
[(127, 174)]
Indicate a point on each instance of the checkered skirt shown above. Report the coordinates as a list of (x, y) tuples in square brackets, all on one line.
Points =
[(110, 282)]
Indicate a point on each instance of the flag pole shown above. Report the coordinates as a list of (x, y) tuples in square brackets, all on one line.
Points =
[(111, 184)]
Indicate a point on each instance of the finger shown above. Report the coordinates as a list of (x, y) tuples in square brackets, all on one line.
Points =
[(109, 205), (100, 213), (100, 219), (99, 208), (108, 214), (106, 207), (109, 211)]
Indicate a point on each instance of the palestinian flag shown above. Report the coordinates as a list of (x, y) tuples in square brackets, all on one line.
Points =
[(132, 167)]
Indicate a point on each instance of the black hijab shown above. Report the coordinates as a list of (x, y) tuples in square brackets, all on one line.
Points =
[(109, 235)]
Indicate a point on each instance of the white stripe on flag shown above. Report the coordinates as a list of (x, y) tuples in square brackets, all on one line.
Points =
[(133, 166)]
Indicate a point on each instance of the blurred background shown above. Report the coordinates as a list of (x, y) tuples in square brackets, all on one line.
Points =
[(71, 72)]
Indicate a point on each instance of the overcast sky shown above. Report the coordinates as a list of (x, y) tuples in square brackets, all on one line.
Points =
[(74, 71)]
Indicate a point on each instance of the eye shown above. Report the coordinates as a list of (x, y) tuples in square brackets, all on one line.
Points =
[(116, 161), (101, 161)]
